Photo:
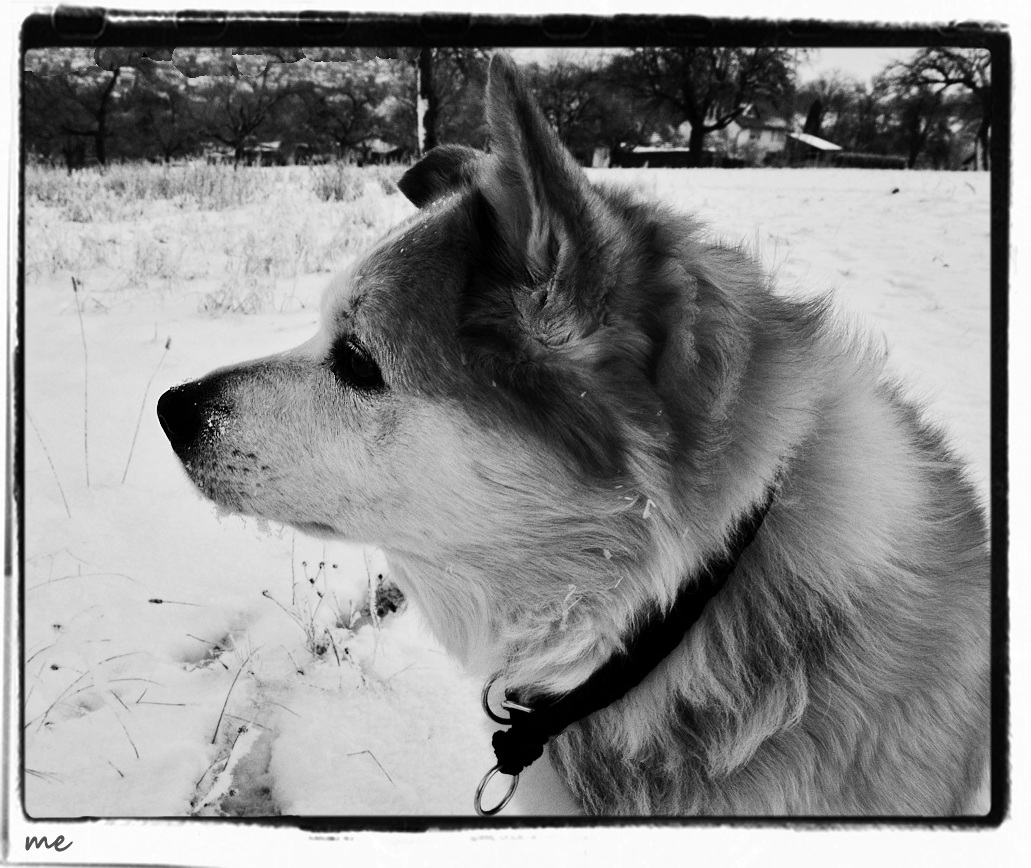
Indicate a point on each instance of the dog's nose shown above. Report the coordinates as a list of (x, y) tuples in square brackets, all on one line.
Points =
[(180, 415)]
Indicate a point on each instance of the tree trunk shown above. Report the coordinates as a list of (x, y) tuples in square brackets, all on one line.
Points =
[(100, 141), (917, 138), (99, 145), (696, 145), (74, 151), (982, 130), (426, 105)]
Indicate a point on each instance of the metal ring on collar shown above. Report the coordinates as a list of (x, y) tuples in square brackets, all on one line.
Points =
[(478, 802)]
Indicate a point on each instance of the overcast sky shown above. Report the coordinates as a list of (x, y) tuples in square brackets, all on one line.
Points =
[(859, 63)]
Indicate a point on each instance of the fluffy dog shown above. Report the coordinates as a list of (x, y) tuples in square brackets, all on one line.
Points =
[(553, 405)]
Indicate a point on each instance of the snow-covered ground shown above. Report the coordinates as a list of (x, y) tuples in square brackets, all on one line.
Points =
[(180, 663)]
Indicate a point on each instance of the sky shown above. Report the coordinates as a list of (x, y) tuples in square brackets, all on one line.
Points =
[(859, 63)]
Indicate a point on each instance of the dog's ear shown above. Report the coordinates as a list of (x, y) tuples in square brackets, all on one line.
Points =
[(533, 184), (443, 170), (566, 301), (540, 221)]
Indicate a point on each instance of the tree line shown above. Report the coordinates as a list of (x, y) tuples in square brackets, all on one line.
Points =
[(82, 106)]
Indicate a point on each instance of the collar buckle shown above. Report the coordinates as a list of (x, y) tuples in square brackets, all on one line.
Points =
[(509, 706)]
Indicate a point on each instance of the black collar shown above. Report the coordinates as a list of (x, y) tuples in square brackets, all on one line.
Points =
[(531, 727)]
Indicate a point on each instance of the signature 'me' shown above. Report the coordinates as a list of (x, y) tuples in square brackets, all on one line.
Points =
[(58, 844)]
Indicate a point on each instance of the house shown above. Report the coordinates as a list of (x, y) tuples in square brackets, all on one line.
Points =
[(265, 154), (376, 152), (306, 154), (756, 135), (215, 154), (254, 154)]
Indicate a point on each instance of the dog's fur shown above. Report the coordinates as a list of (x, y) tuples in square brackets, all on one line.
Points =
[(580, 396)]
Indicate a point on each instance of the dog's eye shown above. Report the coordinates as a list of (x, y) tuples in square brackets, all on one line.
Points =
[(353, 366)]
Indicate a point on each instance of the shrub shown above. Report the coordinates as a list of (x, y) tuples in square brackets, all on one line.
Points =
[(337, 182)]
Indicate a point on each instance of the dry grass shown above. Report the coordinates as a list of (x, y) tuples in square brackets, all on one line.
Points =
[(117, 192), (338, 182), (239, 239)]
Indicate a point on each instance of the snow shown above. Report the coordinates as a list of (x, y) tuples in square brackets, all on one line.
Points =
[(259, 683), (905, 254)]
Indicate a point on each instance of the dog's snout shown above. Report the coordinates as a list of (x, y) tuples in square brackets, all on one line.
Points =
[(180, 415)]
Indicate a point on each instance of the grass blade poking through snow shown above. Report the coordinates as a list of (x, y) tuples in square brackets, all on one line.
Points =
[(85, 380), (371, 754), (50, 462), (231, 686), (143, 404)]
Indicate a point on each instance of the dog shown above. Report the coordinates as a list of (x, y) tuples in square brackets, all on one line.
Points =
[(565, 415)]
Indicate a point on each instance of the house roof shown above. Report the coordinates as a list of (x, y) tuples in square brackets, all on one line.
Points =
[(379, 146), (757, 124), (815, 142), (658, 149)]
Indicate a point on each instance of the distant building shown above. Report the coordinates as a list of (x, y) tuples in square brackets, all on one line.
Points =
[(379, 152), (651, 156), (659, 157), (256, 154), (265, 154), (214, 154), (754, 138), (806, 148), (306, 155), (856, 160)]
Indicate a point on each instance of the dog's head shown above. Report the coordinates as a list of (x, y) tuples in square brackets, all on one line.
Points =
[(502, 374)]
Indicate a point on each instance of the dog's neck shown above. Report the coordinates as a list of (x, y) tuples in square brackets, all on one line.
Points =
[(534, 718)]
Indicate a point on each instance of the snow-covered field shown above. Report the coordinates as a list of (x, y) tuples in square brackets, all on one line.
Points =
[(179, 663)]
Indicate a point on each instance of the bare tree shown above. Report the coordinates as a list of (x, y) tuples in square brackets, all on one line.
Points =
[(160, 112), (588, 106), (709, 87), (70, 93), (865, 125), (342, 103), (829, 99), (564, 93), (438, 75), (939, 69), (918, 112), (234, 97), (459, 76)]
